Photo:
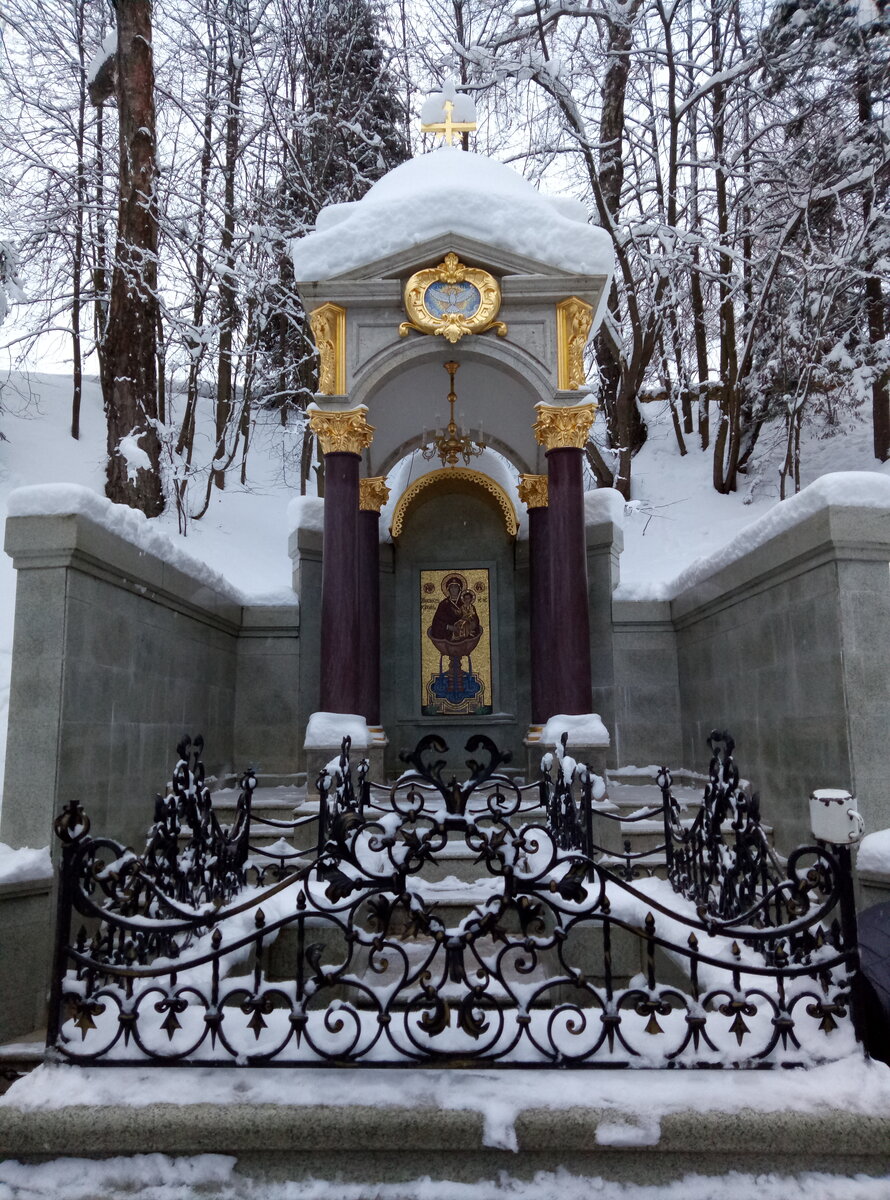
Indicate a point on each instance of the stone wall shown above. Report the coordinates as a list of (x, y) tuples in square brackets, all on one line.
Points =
[(116, 654), (788, 648), (647, 688), (605, 542), (26, 923)]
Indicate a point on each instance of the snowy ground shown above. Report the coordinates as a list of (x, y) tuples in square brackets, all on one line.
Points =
[(160, 1177), (674, 518), (638, 1105)]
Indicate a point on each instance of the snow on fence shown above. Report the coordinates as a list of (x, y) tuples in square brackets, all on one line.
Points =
[(706, 952)]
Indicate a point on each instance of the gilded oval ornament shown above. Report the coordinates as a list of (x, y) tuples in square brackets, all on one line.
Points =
[(451, 300)]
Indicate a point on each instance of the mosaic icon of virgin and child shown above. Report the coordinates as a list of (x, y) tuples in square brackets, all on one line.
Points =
[(455, 631)]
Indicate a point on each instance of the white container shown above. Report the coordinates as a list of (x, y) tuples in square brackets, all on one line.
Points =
[(834, 818)]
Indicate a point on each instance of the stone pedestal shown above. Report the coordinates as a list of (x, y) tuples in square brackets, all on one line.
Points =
[(324, 738), (588, 742)]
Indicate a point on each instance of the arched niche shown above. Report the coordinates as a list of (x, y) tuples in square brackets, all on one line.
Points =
[(405, 390), (455, 523)]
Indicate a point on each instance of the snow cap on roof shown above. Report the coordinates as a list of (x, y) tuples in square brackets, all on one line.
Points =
[(450, 191)]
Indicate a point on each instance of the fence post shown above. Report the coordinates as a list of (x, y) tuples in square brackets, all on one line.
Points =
[(70, 827), (665, 781), (321, 783), (587, 801), (850, 934)]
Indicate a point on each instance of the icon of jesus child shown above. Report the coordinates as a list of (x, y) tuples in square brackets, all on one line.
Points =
[(468, 624), (455, 628)]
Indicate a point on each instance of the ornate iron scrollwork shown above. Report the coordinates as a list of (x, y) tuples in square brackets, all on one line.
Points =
[(361, 955)]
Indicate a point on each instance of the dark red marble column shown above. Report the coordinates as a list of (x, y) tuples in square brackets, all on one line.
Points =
[(564, 432), (533, 492), (373, 494), (343, 436)]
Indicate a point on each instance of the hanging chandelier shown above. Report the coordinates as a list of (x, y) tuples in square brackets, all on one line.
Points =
[(452, 443)]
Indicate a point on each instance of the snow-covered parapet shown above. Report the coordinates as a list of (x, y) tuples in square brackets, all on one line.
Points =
[(24, 865), (844, 489), (450, 191), (70, 499), (133, 527), (326, 729), (866, 490)]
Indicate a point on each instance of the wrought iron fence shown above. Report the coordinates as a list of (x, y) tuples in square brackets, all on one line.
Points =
[(361, 952)]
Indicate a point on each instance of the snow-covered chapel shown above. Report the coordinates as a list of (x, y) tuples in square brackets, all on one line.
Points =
[(459, 572), (314, 892), (451, 307)]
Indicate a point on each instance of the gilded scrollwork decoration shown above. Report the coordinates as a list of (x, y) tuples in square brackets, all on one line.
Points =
[(372, 493), (562, 428), (574, 318), (533, 491), (328, 325), (452, 300), (341, 432)]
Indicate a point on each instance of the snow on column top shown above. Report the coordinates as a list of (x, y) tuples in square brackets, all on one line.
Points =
[(604, 504), (327, 729), (451, 191)]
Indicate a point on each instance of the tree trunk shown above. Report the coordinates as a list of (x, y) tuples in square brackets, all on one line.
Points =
[(225, 397), (78, 255), (726, 444), (129, 376), (874, 299), (626, 429), (100, 273), (197, 347)]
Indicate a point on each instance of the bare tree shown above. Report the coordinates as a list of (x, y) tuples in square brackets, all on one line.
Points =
[(128, 349)]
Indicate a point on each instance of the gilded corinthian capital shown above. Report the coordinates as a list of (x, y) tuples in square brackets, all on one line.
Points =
[(574, 318), (559, 428), (533, 490), (341, 432), (372, 493), (328, 325)]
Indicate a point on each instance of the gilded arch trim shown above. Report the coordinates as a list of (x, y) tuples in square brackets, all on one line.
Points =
[(455, 475)]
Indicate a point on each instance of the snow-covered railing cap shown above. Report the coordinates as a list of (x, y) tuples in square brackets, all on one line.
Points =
[(834, 817)]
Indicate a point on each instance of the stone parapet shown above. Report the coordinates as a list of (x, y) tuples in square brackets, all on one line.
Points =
[(76, 541), (833, 533)]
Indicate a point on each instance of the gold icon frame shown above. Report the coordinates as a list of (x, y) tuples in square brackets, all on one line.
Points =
[(452, 326)]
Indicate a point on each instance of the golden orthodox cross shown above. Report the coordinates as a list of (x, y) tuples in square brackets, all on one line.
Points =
[(448, 128)]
